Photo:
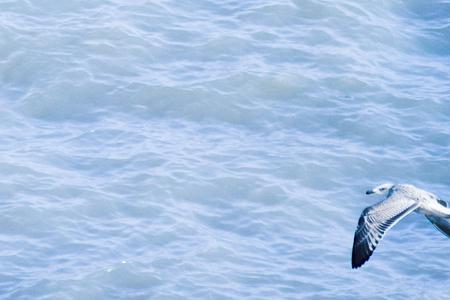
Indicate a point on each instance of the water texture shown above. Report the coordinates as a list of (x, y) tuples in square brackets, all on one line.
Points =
[(207, 149)]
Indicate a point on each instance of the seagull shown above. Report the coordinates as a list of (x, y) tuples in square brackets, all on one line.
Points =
[(401, 200)]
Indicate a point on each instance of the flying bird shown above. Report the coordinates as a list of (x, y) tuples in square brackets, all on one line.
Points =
[(401, 200)]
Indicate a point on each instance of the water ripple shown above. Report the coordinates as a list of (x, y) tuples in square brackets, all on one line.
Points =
[(218, 149)]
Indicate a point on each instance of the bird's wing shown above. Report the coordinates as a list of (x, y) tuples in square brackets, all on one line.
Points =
[(374, 222), (442, 224)]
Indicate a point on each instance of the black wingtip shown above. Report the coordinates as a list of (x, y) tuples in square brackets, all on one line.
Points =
[(361, 252), (357, 264), (357, 260)]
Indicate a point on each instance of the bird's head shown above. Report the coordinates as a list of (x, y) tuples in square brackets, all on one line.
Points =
[(381, 189)]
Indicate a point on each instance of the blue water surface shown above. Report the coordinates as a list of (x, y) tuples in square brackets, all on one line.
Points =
[(219, 149)]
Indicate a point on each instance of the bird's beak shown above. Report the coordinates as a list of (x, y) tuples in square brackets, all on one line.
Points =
[(369, 192)]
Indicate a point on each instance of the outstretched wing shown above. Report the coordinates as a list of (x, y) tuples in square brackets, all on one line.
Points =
[(374, 222), (442, 224)]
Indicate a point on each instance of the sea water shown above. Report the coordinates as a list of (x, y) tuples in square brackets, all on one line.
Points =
[(219, 149)]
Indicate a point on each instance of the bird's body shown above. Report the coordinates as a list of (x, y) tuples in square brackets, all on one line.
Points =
[(401, 200), (428, 203)]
